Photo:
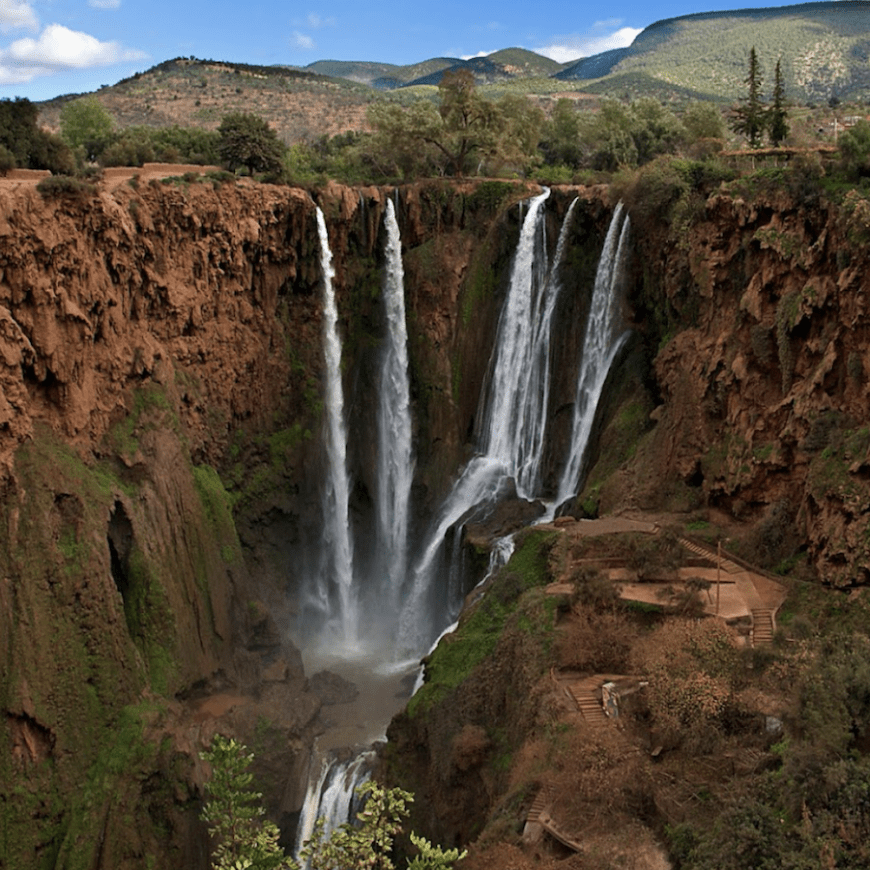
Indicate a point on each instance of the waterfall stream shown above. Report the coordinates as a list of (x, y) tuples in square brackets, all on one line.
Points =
[(334, 596), (395, 458), (410, 599), (603, 339)]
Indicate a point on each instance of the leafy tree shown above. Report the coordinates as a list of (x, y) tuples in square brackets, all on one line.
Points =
[(244, 840), (368, 844), (7, 160), (855, 150), (777, 123), (607, 137), (703, 120), (464, 133), (655, 129), (128, 150), (248, 142), (32, 147), (86, 124), (750, 115), (561, 137)]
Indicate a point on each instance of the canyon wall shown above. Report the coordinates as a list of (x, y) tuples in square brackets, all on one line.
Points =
[(160, 403)]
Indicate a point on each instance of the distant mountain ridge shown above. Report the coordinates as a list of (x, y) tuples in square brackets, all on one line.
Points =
[(823, 47)]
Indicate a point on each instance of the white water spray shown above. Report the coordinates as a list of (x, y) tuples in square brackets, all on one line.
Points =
[(603, 339), (395, 460), (514, 415), (335, 595)]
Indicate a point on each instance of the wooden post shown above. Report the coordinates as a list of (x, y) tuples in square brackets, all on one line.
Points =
[(718, 571)]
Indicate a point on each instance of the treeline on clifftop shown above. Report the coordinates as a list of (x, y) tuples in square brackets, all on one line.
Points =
[(457, 132)]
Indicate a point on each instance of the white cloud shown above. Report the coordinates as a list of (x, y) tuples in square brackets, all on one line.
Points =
[(57, 49), (104, 4), (315, 21), (479, 54), (575, 46), (17, 15), (302, 40)]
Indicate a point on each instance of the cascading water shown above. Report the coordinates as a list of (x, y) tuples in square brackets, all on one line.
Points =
[(333, 597), (603, 339), (395, 458), (331, 794), (361, 617), (513, 415)]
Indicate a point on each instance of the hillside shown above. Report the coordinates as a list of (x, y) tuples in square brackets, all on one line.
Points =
[(198, 93), (824, 49)]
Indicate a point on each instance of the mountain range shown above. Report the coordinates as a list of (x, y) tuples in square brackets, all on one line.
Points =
[(823, 48)]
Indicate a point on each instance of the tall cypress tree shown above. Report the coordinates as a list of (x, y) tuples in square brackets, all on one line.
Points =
[(777, 125), (750, 117)]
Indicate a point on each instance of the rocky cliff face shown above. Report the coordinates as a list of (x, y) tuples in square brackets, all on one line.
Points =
[(755, 318), (160, 363), (159, 398)]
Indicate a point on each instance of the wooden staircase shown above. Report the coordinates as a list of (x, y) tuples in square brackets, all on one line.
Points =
[(711, 555), (538, 820), (588, 705), (762, 627)]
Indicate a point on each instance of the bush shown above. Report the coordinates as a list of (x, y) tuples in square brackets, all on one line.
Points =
[(63, 185), (128, 151), (7, 160)]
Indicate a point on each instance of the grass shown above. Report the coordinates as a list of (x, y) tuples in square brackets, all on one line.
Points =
[(479, 632)]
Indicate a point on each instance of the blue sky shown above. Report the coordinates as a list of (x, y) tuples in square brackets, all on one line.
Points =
[(53, 47)]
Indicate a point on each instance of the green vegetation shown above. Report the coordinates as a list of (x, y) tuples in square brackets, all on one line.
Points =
[(25, 142), (463, 134), (481, 627), (750, 115), (247, 142), (245, 840), (86, 126)]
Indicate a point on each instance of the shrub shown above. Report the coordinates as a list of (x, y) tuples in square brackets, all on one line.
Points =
[(127, 151), (63, 185), (7, 160)]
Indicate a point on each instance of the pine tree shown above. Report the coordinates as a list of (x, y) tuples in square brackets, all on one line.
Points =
[(750, 117), (777, 125)]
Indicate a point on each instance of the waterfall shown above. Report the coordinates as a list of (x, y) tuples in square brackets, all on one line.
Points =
[(395, 460), (602, 341), (335, 596), (513, 415), (331, 794)]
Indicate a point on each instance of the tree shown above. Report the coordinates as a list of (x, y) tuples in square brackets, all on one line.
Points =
[(244, 840), (248, 142), (854, 146), (7, 160), (777, 125), (750, 118), (464, 133), (86, 124), (32, 147), (703, 120), (655, 129), (562, 135)]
